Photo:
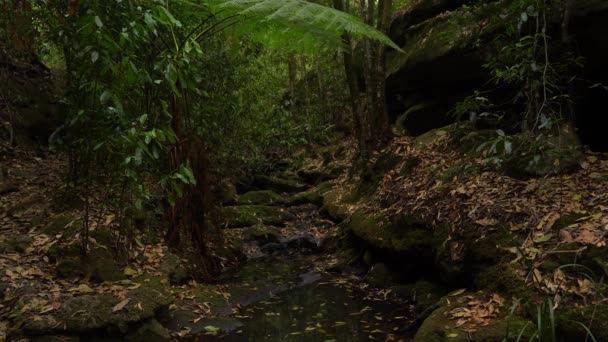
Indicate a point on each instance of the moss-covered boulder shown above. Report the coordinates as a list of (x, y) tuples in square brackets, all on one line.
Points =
[(262, 197), (379, 275), (552, 154), (173, 268), (16, 244), (403, 235), (225, 192), (423, 293), (62, 224), (99, 315), (149, 331), (443, 326), (98, 263), (278, 184), (314, 196), (334, 205), (262, 234), (250, 215), (594, 317)]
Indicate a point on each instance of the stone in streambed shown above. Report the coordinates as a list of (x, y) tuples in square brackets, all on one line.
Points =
[(96, 314), (250, 215), (262, 234), (278, 184), (261, 197)]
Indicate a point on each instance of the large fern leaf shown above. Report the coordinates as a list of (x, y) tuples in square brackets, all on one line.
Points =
[(297, 22)]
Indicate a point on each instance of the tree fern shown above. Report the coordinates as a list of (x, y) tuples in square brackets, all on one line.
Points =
[(295, 23)]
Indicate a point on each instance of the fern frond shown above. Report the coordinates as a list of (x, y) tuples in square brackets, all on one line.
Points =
[(298, 22)]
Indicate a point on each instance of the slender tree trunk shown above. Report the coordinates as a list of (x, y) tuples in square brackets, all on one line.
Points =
[(291, 65), (382, 121), (353, 88)]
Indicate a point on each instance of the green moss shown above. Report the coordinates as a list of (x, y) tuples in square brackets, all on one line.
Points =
[(250, 215), (503, 278), (261, 233), (405, 235), (62, 224), (263, 197), (438, 327), (569, 323), (409, 166), (462, 170), (98, 263), (423, 293), (449, 33), (372, 176), (279, 184)]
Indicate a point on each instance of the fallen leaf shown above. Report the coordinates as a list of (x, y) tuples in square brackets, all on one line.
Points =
[(121, 305)]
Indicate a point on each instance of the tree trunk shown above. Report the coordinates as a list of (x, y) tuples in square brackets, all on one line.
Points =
[(353, 88), (382, 129), (291, 65)]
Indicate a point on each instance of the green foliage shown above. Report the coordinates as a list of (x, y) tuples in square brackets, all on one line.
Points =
[(296, 24), (145, 77)]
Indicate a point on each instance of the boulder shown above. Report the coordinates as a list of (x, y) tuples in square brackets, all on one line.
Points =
[(98, 263), (173, 268), (439, 327), (225, 192), (149, 331), (594, 317), (543, 155), (262, 234), (379, 275), (96, 314), (17, 244), (261, 197), (62, 224), (314, 196), (423, 293), (250, 215), (406, 235), (278, 184)]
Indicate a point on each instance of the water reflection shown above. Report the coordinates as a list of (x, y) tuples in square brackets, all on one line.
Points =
[(321, 312)]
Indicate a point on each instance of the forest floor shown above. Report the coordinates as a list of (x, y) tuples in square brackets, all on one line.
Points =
[(288, 285), (48, 289)]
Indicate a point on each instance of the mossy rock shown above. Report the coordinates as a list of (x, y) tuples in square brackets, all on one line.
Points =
[(62, 224), (149, 331), (262, 234), (422, 293), (373, 175), (336, 203), (462, 171), (503, 278), (539, 156), (99, 264), (225, 192), (569, 323), (173, 268), (261, 197), (438, 327), (94, 314), (409, 165), (311, 196), (405, 235), (470, 143), (17, 244), (447, 34), (379, 275), (278, 184), (250, 215)]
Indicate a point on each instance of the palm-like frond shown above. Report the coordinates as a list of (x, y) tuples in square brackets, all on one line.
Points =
[(297, 21)]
